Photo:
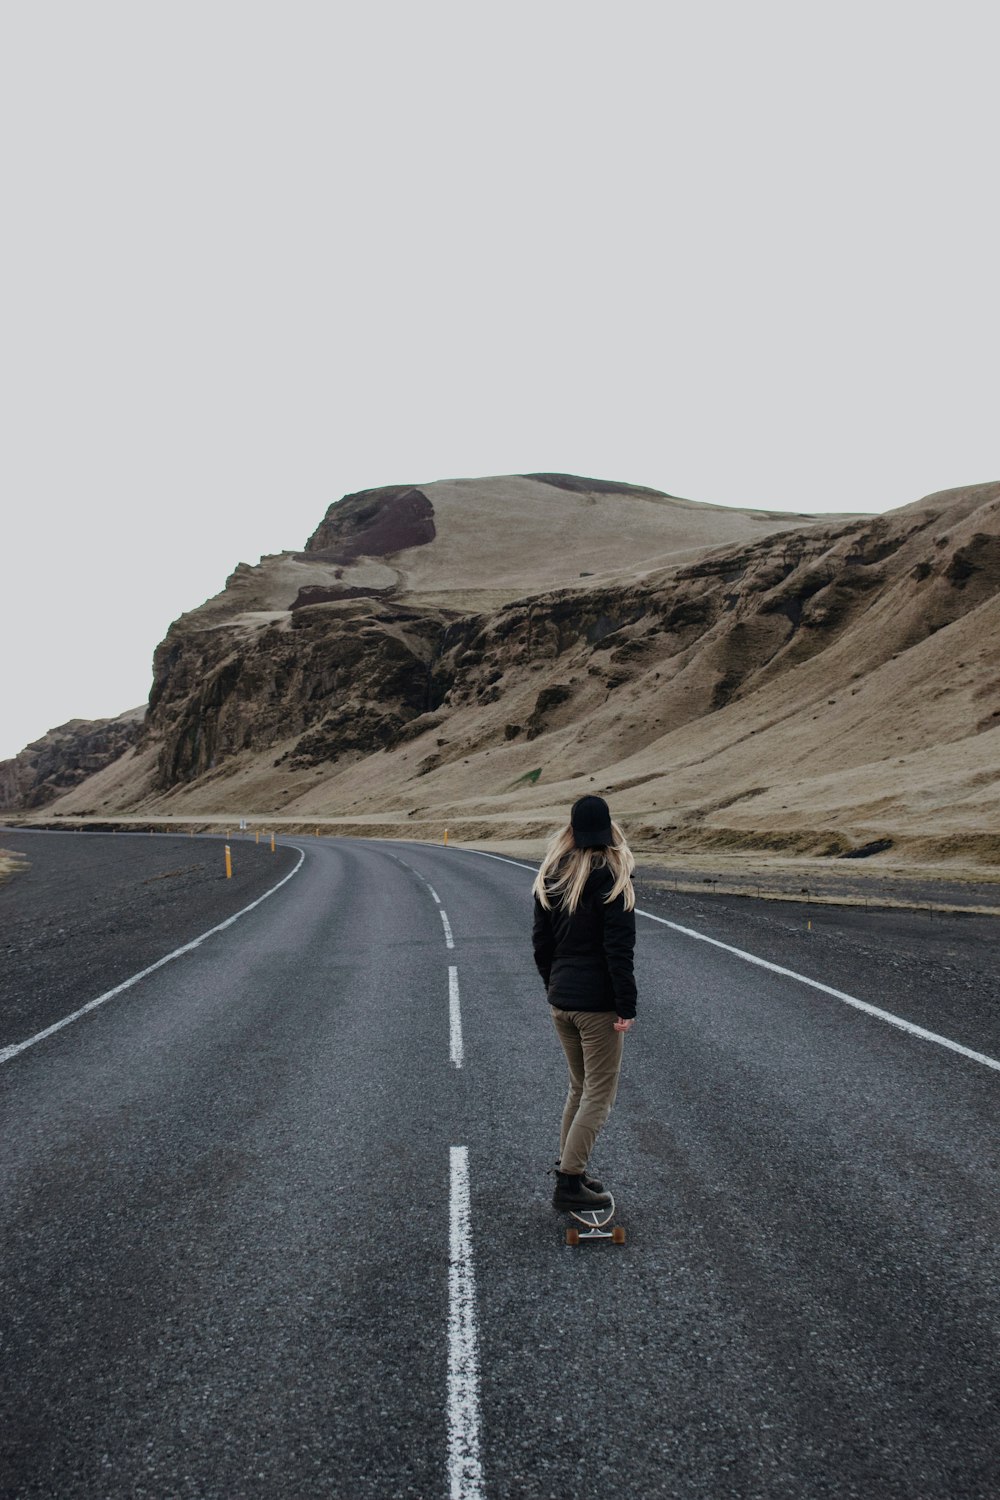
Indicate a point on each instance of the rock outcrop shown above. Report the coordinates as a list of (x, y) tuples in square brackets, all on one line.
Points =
[(342, 680), (373, 523), (64, 758)]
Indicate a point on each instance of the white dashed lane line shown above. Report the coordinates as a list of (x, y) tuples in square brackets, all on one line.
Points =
[(455, 1018), (465, 1472), (456, 1046), (449, 941)]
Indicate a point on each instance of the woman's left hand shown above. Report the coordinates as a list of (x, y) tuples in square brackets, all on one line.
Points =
[(622, 1025)]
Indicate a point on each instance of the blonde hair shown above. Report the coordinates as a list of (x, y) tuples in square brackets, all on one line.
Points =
[(566, 868)]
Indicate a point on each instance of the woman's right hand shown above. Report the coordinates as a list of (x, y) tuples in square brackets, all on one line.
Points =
[(622, 1025)]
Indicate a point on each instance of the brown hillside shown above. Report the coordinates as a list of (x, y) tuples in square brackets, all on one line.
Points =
[(731, 684)]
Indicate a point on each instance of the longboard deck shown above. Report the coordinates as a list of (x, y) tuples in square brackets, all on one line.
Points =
[(595, 1223)]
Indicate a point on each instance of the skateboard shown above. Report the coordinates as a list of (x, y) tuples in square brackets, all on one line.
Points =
[(595, 1223)]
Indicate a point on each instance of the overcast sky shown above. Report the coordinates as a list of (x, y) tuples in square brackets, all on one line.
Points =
[(257, 256)]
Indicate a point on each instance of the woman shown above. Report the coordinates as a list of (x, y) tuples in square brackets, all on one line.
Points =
[(584, 939)]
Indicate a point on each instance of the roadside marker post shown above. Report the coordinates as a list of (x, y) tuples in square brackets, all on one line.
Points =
[(256, 838), (272, 843), (229, 863), (446, 835)]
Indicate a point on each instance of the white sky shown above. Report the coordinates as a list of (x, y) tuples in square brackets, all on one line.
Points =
[(256, 256)]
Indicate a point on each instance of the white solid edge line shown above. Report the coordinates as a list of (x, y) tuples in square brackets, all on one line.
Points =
[(464, 1468), (826, 989), (456, 1047), (6, 1053), (449, 941), (504, 860), (815, 984)]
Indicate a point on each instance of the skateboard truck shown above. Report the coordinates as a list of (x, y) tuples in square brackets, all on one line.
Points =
[(595, 1223)]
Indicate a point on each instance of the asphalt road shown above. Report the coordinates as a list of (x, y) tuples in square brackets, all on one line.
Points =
[(225, 1195), (87, 910)]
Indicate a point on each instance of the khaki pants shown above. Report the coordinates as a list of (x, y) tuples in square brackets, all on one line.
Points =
[(593, 1051)]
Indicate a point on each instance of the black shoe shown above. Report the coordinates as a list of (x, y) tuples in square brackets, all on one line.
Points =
[(587, 1180), (572, 1192)]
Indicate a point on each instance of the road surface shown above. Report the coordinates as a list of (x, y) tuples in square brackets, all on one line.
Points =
[(276, 1221)]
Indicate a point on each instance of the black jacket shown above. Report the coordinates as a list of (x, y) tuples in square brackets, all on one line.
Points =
[(586, 959)]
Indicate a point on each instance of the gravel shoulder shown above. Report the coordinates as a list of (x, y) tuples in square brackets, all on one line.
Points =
[(88, 910), (935, 968), (841, 882)]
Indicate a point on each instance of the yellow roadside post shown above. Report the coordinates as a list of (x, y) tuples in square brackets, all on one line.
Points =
[(272, 843), (229, 864), (257, 837), (446, 835)]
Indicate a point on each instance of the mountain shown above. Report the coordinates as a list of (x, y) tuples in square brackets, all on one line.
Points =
[(479, 652)]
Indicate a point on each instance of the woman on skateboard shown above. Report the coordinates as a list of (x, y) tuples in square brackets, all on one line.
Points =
[(584, 940)]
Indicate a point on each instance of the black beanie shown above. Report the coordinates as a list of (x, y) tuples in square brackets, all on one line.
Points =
[(591, 820)]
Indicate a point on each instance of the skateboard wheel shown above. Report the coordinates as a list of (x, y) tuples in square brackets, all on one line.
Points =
[(618, 1235), (572, 1236)]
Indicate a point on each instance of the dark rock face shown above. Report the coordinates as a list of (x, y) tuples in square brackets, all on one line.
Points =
[(979, 560), (372, 523), (63, 758), (317, 593), (581, 486), (346, 684), (549, 698)]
